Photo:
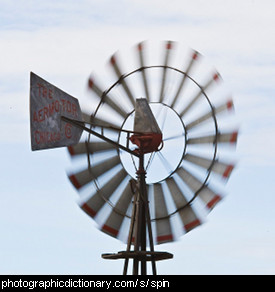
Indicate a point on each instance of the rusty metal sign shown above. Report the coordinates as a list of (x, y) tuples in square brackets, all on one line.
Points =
[(47, 105)]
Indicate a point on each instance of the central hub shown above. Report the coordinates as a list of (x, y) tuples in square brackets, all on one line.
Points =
[(147, 134), (158, 164)]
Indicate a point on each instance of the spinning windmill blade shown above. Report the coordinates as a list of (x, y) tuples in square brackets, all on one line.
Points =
[(123, 82), (195, 56), (187, 215), (218, 167), (83, 177), (202, 89), (163, 225), (228, 105), (169, 46), (96, 202), (140, 48), (118, 214), (105, 98), (157, 140), (218, 138)]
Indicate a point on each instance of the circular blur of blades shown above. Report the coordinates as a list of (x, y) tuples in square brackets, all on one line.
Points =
[(185, 177)]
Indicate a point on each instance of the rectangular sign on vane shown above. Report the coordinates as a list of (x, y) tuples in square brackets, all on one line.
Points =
[(47, 104)]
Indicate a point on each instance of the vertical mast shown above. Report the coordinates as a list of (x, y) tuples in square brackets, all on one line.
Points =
[(148, 137)]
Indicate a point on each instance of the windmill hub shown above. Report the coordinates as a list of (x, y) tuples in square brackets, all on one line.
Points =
[(160, 164)]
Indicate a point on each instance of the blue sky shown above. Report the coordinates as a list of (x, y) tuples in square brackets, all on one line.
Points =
[(43, 231)]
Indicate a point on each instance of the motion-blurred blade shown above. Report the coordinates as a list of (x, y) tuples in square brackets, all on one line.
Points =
[(187, 215), (208, 196), (163, 226), (83, 177), (218, 167), (91, 119), (140, 47), (215, 77), (230, 138), (89, 147), (114, 221), (123, 82), (105, 98), (194, 57), (204, 118), (169, 46), (96, 202)]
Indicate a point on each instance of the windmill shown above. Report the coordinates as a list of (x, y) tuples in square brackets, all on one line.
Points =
[(152, 151)]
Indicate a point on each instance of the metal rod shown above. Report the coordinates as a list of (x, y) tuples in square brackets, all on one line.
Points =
[(81, 126), (151, 242), (140, 231), (114, 128), (146, 220), (142, 218), (136, 235), (131, 232)]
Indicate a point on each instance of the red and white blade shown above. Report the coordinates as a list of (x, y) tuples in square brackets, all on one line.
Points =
[(227, 106), (226, 138), (168, 48), (221, 168), (187, 215), (207, 195), (194, 57), (88, 175), (140, 48), (91, 147), (92, 85), (163, 225), (123, 82), (113, 223), (93, 205), (213, 78)]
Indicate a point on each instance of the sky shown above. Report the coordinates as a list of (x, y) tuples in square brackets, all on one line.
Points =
[(43, 231)]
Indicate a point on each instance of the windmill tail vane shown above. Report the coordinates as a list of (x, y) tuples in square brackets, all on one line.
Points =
[(151, 149)]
